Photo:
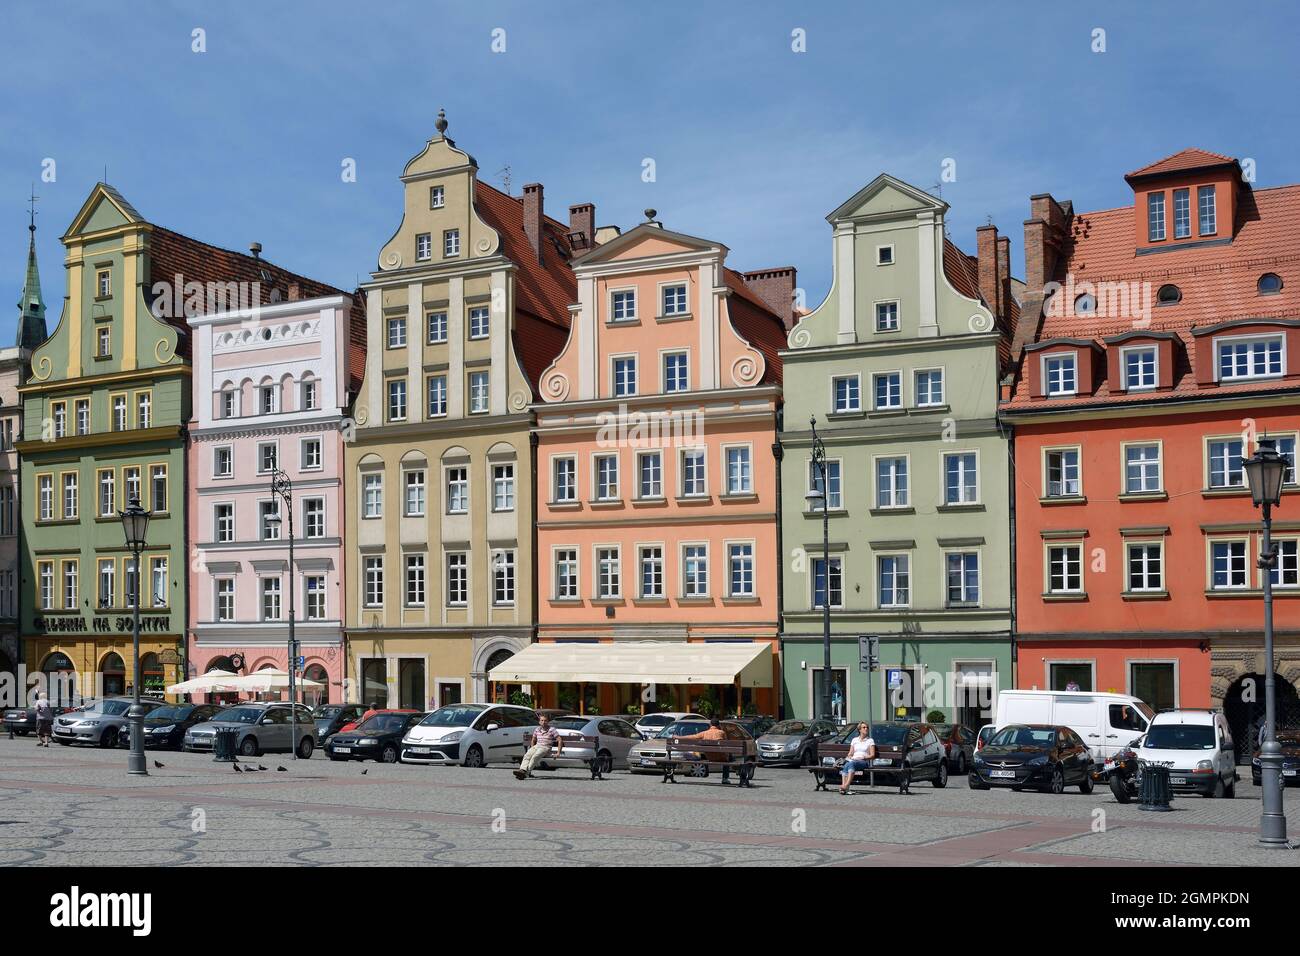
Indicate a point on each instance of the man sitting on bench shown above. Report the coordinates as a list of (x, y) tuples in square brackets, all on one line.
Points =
[(861, 751), (544, 738), (715, 732)]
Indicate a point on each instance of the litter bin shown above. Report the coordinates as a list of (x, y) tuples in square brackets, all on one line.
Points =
[(223, 746), (1154, 790)]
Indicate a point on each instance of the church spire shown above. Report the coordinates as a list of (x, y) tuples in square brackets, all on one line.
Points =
[(31, 309)]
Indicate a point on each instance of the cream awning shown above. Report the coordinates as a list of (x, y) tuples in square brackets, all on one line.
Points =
[(640, 662)]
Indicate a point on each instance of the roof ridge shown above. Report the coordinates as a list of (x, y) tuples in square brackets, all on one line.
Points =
[(1152, 167), (258, 260)]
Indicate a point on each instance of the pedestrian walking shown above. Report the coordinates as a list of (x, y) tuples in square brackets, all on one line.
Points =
[(44, 720), (862, 749), (543, 738)]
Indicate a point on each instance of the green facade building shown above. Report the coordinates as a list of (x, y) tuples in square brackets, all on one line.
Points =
[(900, 367)]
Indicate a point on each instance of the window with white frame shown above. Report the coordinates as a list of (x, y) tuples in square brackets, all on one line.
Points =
[(225, 599), (651, 572), (650, 471), (1285, 445), (423, 246), (566, 574), (313, 588), (413, 506), (158, 581), (268, 457), (374, 582), (131, 485), (693, 478), (848, 393), (310, 453), (414, 564), (1059, 374), (1205, 210), (268, 520), (888, 388), (1065, 569), (437, 396), (1145, 567), (624, 376), (1255, 357), (106, 588), (1182, 213), (963, 568), (270, 599), (223, 460), (478, 392), (822, 582), (1224, 456), (676, 372), (1155, 217), (884, 255), (309, 393), (119, 413), (70, 592), (886, 316), (609, 584), (223, 523), (1062, 472), (1140, 368), (695, 571), (564, 479), (397, 332), (832, 491), (83, 416), (479, 322), (740, 570), (740, 478), (46, 574), (891, 482), (457, 579), (1228, 568), (503, 487), (1286, 570), (458, 490), (143, 410), (70, 497), (674, 300), (622, 305), (45, 491), (397, 400), (606, 477), (437, 197), (436, 327), (372, 496), (929, 387), (961, 479), (451, 243), (266, 396), (313, 517), (1142, 468), (893, 580), (107, 493), (503, 578), (60, 418)]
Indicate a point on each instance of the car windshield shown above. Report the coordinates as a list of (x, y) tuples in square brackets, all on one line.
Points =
[(384, 723), (943, 730), (655, 720), (110, 708), (1180, 737), (684, 728), (456, 715), (240, 715), (569, 723), (328, 712), (172, 712), (793, 728), (1037, 737)]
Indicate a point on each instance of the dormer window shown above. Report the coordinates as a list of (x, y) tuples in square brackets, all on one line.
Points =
[(1169, 295), (1250, 357), (1206, 210), (1270, 283), (1155, 217), (1060, 374), (1182, 213), (1140, 368), (1085, 304)]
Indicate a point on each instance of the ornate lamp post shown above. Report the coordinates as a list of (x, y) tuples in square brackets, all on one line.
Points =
[(820, 496), (135, 524), (282, 488), (1265, 472)]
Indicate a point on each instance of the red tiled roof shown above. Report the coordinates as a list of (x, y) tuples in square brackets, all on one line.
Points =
[(1218, 283), (957, 267), (1184, 159), (356, 343), (755, 321)]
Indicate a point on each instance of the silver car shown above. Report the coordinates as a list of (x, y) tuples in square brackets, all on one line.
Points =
[(616, 738), (794, 741), (101, 722), (261, 727), (641, 758)]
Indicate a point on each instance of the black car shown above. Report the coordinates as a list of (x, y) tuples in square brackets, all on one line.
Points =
[(1041, 756), (905, 752), (379, 738), (959, 745), (329, 718), (1289, 741), (164, 728)]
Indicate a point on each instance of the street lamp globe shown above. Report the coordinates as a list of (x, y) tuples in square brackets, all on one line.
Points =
[(135, 524), (814, 499), (1265, 473)]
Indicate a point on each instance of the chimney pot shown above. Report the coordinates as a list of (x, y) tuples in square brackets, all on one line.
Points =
[(582, 225), (256, 249)]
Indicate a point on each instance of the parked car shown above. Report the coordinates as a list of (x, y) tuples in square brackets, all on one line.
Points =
[(754, 725), (553, 712), (22, 720), (651, 724), (1046, 756), (473, 735), (261, 727), (616, 738), (378, 737), (905, 751), (1196, 746), (958, 746), (331, 718), (984, 736), (99, 723), (165, 727), (1289, 741), (1106, 722), (641, 758), (794, 742)]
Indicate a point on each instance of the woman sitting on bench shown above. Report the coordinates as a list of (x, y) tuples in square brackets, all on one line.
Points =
[(861, 751)]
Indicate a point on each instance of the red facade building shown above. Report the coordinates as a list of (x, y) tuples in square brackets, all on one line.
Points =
[(1157, 343)]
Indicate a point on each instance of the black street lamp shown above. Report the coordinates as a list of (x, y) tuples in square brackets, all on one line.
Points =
[(1265, 472), (135, 524), (820, 496), (282, 488)]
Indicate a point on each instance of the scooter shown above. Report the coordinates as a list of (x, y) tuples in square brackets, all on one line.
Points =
[(1120, 773)]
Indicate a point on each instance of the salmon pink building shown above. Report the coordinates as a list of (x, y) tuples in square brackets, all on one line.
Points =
[(657, 542), (1158, 343), (271, 392)]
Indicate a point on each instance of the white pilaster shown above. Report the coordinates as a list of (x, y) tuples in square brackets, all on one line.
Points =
[(845, 273), (929, 238), (499, 379), (456, 347)]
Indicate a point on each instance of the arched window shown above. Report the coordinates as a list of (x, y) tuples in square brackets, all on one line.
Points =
[(113, 673), (1270, 283), (314, 697), (1168, 295), (60, 679), (151, 676), (1085, 304)]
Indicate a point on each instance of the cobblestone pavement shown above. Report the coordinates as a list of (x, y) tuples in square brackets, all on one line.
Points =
[(62, 806)]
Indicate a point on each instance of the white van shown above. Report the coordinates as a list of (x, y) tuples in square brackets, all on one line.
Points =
[(1107, 722), (1196, 746)]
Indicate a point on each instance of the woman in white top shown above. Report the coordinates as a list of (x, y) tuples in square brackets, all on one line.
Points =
[(861, 750)]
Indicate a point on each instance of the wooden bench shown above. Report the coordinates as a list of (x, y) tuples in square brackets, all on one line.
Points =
[(823, 772), (578, 742), (708, 755)]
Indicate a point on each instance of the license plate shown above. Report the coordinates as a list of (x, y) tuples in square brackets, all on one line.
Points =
[(1108, 765), (1003, 774), (647, 762), (348, 750), (416, 750), (881, 762), (1178, 781), (1288, 773)]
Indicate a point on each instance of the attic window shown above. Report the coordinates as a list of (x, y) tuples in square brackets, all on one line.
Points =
[(1169, 295), (884, 255), (1270, 283), (1085, 304)]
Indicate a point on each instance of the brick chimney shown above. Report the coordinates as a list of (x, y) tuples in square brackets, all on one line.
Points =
[(294, 292), (776, 288), (533, 212), (1004, 275), (986, 256), (582, 226), (1046, 244)]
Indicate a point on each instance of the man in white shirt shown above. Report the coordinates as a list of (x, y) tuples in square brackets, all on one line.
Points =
[(861, 751)]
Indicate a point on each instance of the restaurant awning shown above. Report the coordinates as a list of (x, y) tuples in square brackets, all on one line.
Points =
[(640, 662)]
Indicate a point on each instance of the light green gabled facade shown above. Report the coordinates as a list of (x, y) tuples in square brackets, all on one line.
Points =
[(889, 247)]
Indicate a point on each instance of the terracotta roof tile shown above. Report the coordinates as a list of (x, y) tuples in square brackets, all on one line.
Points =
[(1184, 159), (757, 323)]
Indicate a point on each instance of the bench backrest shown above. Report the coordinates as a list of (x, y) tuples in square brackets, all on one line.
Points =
[(736, 747), (578, 741), (835, 751)]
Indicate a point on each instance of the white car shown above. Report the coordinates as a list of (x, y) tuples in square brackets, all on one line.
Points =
[(1196, 746), (649, 725), (472, 735)]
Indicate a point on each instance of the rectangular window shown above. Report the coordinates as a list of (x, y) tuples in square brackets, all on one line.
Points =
[(223, 523), (69, 585), (820, 583), (270, 599), (45, 484), (437, 197), (313, 517), (1059, 374), (1155, 217), (59, 413), (104, 283), (961, 479), (566, 574), (106, 587), (7, 523), (740, 476), (104, 341), (886, 316), (929, 387), (313, 587), (503, 578), (223, 462), (458, 490), (228, 403), (46, 574), (397, 332), (894, 580), (310, 454), (650, 474), (423, 247), (609, 575), (503, 487), (266, 399), (695, 570), (268, 457), (1225, 464), (131, 486), (372, 496), (374, 582), (158, 581), (891, 483), (1228, 565), (1205, 209), (1182, 213), (129, 582), (83, 416), (397, 400), (414, 503), (833, 499), (1065, 569), (1250, 358), (457, 579), (225, 599), (268, 523), (624, 376), (674, 300), (606, 477), (848, 393), (963, 578), (651, 572), (309, 392), (1139, 368), (478, 392), (119, 413), (1145, 567), (622, 305), (693, 479), (479, 322), (1063, 473), (888, 387), (415, 580), (437, 396), (564, 479), (451, 243), (437, 325), (676, 372), (740, 570), (70, 496), (158, 488), (1286, 574), (1141, 468)]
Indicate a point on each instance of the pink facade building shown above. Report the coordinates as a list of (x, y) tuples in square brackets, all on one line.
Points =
[(271, 392)]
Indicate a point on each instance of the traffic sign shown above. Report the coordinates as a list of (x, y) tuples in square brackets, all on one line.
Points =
[(868, 652)]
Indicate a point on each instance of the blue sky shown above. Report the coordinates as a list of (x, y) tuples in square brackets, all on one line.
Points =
[(753, 143)]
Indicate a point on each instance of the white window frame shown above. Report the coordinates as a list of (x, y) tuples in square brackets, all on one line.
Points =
[(1159, 463), (1048, 546), (1124, 354), (1047, 359), (619, 298), (943, 386)]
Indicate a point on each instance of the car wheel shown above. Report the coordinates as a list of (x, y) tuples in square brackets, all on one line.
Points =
[(1085, 785), (1057, 786), (976, 783), (389, 754), (248, 746), (1120, 789), (941, 778), (109, 738), (62, 743), (305, 748), (961, 764), (605, 761), (1218, 791), (808, 757), (1230, 790), (474, 757)]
